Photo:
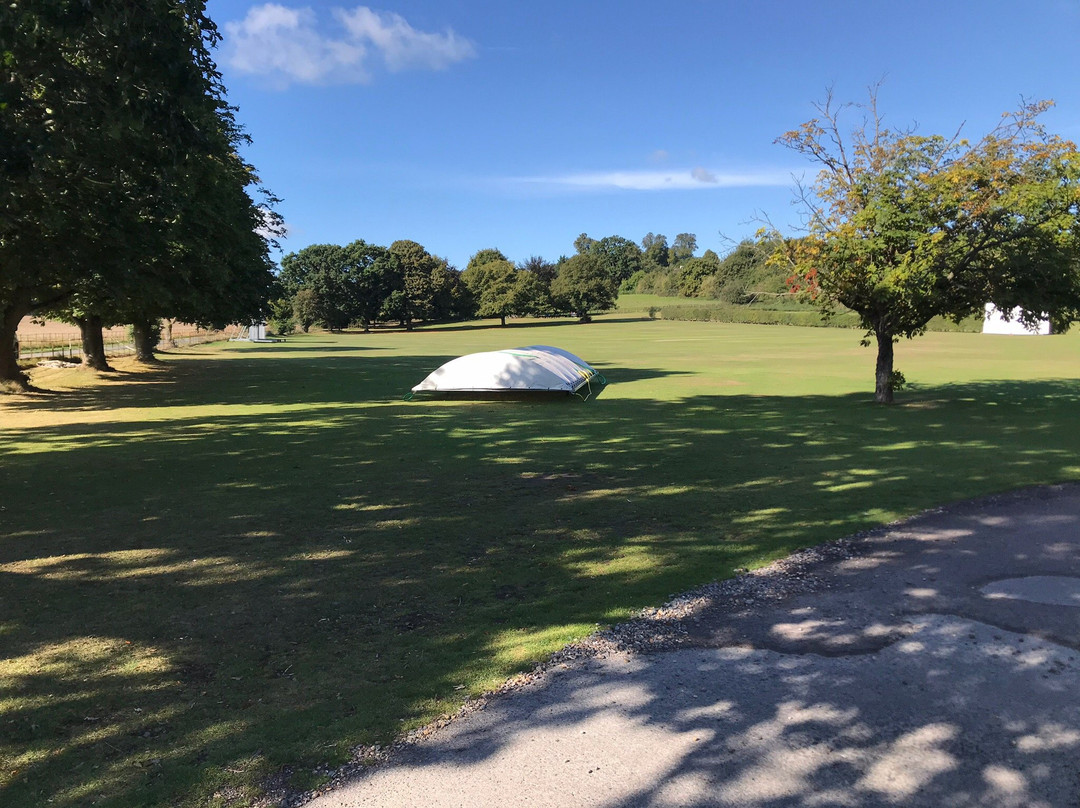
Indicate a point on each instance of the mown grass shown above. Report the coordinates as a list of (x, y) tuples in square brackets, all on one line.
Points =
[(248, 561)]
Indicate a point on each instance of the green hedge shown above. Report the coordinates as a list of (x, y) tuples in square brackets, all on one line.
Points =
[(727, 313), (972, 325)]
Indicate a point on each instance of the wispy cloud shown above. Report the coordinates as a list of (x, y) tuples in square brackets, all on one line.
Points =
[(402, 46), (704, 175), (292, 46), (675, 180)]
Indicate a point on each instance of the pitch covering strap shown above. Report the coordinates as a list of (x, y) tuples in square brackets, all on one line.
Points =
[(572, 369)]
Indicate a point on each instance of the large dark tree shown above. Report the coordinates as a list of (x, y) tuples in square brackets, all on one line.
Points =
[(583, 286), (656, 250), (115, 143), (904, 227), (499, 289), (415, 287), (619, 256), (450, 299), (322, 272), (543, 273), (684, 246), (60, 155), (369, 267)]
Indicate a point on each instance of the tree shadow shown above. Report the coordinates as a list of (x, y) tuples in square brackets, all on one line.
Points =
[(343, 377), (283, 349), (511, 325), (194, 598), (625, 375), (859, 677)]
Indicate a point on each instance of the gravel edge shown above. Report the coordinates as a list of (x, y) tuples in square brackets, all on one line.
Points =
[(652, 630)]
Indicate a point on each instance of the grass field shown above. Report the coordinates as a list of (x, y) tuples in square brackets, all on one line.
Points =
[(248, 561)]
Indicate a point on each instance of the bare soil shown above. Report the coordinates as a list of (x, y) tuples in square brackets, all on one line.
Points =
[(31, 329)]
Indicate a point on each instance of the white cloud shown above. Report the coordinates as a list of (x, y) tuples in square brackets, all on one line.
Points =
[(283, 43), (675, 180), (273, 226), (401, 45), (289, 45)]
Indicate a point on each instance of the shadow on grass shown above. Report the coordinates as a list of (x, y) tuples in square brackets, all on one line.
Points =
[(192, 602), (624, 375), (775, 730), (865, 682), (511, 325), (281, 376), (310, 345), (344, 377)]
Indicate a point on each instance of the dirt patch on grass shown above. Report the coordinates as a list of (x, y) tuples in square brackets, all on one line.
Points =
[(51, 380)]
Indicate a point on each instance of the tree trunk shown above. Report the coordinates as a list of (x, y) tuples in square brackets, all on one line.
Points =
[(502, 317), (93, 343), (883, 388), (144, 333), (10, 317)]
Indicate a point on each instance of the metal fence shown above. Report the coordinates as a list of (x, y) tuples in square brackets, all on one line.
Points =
[(117, 343)]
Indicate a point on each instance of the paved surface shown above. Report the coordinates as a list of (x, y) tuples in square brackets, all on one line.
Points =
[(935, 664)]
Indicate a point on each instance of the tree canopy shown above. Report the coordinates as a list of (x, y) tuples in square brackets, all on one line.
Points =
[(684, 246), (500, 289), (583, 285), (122, 191), (656, 249), (903, 227)]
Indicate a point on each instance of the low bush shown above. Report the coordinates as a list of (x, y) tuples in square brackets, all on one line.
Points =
[(725, 313), (786, 313)]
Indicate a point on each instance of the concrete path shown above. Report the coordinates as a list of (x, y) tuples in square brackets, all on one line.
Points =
[(934, 664)]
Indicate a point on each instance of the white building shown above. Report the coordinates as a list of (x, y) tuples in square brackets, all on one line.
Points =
[(995, 323)]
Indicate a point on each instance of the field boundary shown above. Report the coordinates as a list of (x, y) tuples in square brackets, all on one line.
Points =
[(68, 345)]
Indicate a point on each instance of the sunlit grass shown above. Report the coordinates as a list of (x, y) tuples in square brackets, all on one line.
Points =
[(258, 556)]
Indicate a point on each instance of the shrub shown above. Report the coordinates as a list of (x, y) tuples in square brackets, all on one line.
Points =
[(787, 313), (725, 313)]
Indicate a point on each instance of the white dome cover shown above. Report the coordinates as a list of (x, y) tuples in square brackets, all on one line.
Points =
[(534, 367)]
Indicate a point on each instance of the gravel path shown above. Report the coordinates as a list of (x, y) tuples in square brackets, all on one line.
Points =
[(933, 662)]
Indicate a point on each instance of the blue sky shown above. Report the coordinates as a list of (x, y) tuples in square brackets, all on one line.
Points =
[(464, 124)]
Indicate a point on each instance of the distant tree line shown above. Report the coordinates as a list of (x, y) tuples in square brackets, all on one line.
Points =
[(361, 284), (744, 275), (123, 198)]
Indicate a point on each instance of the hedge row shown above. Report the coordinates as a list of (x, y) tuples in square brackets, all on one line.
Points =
[(726, 313)]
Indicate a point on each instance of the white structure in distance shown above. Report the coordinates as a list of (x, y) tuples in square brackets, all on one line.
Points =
[(256, 332), (995, 323)]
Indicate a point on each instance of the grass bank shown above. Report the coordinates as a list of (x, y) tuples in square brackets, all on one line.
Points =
[(243, 563)]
